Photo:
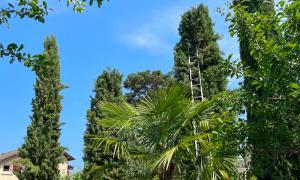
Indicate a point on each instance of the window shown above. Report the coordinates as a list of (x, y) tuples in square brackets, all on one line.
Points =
[(6, 168)]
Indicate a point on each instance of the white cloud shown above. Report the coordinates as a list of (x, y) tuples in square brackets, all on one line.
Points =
[(156, 33), (147, 40)]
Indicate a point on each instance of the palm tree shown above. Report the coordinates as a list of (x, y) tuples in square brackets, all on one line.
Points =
[(159, 132)]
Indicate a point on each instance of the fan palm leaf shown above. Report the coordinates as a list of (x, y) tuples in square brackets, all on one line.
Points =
[(160, 128)]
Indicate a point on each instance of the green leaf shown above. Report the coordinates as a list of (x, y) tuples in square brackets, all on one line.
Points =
[(10, 5), (294, 86), (21, 47), (281, 3)]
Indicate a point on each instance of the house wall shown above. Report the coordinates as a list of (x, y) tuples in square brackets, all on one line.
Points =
[(8, 175), (63, 168)]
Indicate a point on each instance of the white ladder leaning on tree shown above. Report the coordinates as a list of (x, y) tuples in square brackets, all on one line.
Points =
[(195, 80)]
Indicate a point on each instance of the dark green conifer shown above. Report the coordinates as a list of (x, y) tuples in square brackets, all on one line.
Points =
[(42, 150), (98, 165), (197, 36), (140, 83)]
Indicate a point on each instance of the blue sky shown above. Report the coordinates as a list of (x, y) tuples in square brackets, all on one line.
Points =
[(130, 35)]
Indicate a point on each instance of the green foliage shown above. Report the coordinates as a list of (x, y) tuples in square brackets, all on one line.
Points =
[(77, 175), (247, 60), (107, 88), (197, 36), (33, 9), (273, 129), (30, 168), (36, 10), (15, 53), (295, 90), (41, 147), (158, 134), (139, 84)]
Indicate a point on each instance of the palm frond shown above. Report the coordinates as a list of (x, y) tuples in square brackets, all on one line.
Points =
[(119, 148), (223, 166), (185, 144), (165, 159), (159, 132), (117, 112)]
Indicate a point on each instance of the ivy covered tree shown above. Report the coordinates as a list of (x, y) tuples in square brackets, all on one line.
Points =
[(273, 125), (41, 152), (248, 61), (108, 87), (139, 84), (197, 37)]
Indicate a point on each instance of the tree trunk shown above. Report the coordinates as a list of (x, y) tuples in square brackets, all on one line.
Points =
[(168, 174)]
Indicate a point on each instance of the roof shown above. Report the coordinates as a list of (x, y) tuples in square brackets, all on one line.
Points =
[(8, 156), (68, 156), (4, 157)]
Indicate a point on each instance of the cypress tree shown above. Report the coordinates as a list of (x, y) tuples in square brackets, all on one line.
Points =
[(108, 87), (197, 35), (42, 149)]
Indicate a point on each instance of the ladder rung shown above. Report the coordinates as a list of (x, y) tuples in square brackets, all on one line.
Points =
[(196, 84), (197, 97), (195, 70)]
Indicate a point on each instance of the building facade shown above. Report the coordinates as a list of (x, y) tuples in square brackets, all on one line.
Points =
[(7, 166)]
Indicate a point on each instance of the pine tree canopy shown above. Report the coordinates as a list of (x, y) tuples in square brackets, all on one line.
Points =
[(139, 84)]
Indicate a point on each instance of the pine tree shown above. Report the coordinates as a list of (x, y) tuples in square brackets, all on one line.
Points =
[(139, 84), (108, 87), (198, 36), (42, 148)]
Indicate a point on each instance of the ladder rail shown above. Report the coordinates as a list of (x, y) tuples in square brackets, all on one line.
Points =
[(194, 122), (193, 100), (201, 99), (200, 79)]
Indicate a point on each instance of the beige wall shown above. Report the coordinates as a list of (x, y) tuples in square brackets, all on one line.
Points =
[(8, 175), (63, 168)]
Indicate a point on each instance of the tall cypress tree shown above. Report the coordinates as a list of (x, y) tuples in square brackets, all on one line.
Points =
[(198, 36), (108, 87), (42, 148)]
